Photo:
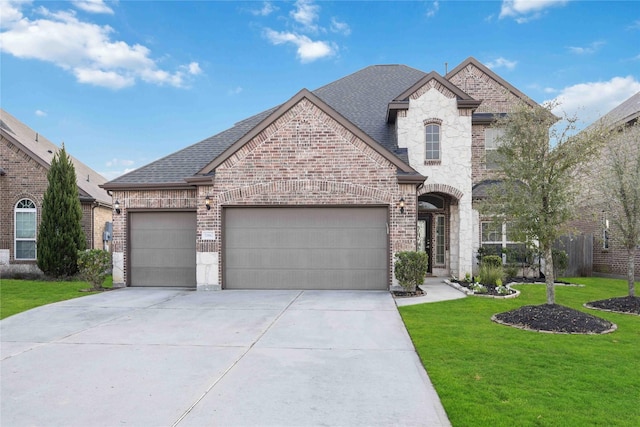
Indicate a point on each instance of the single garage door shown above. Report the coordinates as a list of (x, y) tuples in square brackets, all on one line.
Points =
[(305, 248), (162, 249)]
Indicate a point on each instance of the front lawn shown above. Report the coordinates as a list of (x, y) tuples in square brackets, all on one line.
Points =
[(20, 295), (488, 374)]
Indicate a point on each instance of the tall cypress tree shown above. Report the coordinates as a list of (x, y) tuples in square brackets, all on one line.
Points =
[(60, 235)]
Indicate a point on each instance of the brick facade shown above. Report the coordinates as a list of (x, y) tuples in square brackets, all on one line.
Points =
[(304, 158), (26, 178)]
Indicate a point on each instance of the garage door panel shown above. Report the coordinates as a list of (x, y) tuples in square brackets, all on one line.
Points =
[(306, 248), (162, 249), (305, 258), (240, 238), (296, 279), (163, 238)]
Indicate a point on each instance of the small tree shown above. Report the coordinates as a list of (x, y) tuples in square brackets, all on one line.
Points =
[(411, 268), (620, 182), (60, 235), (536, 193)]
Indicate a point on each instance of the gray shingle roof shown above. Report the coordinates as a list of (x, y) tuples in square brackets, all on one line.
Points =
[(42, 150), (625, 112), (361, 97)]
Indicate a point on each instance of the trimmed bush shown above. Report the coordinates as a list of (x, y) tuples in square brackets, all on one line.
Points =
[(94, 265), (411, 268), (492, 260)]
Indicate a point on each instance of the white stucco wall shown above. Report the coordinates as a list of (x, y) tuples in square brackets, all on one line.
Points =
[(454, 168)]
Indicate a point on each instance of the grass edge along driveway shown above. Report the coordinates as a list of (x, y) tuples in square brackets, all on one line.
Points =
[(17, 296), (488, 374)]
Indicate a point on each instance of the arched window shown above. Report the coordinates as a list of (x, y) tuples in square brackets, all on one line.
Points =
[(25, 230), (432, 142), (430, 203)]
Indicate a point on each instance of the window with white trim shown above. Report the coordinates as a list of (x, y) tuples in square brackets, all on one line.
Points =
[(432, 142), (25, 230), (499, 239), (491, 144)]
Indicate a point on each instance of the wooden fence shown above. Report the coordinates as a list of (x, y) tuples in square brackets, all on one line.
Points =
[(579, 250)]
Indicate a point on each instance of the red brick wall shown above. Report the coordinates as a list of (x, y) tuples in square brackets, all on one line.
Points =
[(307, 158), (24, 179)]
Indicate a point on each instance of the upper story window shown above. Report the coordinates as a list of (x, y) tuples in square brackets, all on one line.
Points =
[(491, 143), (25, 230), (432, 142)]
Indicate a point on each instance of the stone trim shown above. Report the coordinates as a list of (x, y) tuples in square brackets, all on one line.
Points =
[(440, 188)]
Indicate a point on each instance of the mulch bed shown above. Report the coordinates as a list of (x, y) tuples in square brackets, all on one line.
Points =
[(626, 305), (405, 294), (554, 318)]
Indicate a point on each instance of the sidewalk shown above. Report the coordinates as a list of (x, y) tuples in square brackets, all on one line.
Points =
[(436, 290)]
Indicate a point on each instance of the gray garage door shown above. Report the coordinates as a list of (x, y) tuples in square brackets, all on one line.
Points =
[(305, 248), (163, 249)]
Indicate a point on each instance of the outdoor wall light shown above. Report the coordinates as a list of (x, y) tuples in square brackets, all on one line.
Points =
[(207, 202), (117, 206), (401, 205)]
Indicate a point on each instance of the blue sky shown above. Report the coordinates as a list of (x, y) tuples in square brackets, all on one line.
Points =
[(123, 83)]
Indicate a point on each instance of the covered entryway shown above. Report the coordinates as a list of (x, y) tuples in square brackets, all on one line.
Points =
[(162, 249), (306, 248)]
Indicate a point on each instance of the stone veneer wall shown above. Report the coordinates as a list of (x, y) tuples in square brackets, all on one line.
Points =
[(303, 158), (452, 175)]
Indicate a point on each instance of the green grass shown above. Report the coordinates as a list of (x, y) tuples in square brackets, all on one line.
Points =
[(17, 296), (488, 374)]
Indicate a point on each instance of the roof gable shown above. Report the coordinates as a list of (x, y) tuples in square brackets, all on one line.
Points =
[(325, 108), (473, 66), (431, 80), (41, 150)]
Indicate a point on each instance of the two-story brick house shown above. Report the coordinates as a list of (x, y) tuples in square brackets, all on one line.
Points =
[(25, 158), (321, 191)]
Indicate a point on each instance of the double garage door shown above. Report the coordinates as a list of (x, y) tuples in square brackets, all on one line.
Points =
[(267, 248), (305, 248)]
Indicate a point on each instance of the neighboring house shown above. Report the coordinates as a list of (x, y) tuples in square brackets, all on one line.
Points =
[(321, 191), (25, 158), (608, 256)]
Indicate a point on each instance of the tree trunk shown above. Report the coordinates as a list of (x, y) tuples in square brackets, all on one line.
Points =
[(631, 266), (548, 275)]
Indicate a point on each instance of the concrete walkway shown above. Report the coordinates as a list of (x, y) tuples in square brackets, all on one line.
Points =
[(170, 357), (436, 290)]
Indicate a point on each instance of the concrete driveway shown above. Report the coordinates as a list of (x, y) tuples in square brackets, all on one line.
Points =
[(171, 357)]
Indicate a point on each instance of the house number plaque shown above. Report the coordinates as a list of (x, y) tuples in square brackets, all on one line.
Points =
[(208, 235)]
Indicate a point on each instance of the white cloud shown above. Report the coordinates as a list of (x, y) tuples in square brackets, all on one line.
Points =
[(635, 25), (119, 162), (93, 6), (235, 91), (591, 48), (502, 63), (589, 101), (340, 27), (267, 9), (306, 13), (41, 113), (85, 49), (193, 68), (110, 175), (526, 10), (435, 6), (308, 50)]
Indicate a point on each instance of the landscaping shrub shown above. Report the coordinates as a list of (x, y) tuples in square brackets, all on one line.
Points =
[(492, 260), (411, 268), (511, 271), (94, 265), (490, 274), (560, 261)]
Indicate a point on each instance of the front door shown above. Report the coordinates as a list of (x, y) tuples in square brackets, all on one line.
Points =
[(424, 239)]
